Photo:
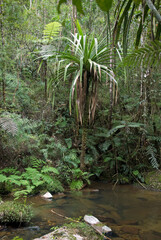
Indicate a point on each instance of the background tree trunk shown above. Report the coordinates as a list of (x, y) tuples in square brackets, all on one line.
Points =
[(3, 54)]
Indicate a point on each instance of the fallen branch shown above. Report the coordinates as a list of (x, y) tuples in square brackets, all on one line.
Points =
[(60, 215), (139, 182), (98, 231)]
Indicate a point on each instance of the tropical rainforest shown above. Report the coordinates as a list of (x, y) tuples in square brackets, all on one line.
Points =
[(80, 93)]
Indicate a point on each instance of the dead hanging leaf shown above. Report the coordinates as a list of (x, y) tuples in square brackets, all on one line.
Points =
[(137, 1), (77, 3), (59, 4)]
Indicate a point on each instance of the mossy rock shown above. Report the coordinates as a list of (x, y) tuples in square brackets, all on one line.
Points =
[(71, 230), (14, 213), (153, 180), (85, 230)]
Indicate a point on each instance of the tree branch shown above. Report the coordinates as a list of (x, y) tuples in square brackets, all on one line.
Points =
[(154, 10)]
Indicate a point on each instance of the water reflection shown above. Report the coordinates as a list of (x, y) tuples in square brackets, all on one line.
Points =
[(134, 214)]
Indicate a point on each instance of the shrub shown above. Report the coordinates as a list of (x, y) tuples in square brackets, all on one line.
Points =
[(14, 213)]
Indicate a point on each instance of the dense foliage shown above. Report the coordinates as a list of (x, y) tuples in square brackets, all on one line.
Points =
[(13, 213), (78, 99)]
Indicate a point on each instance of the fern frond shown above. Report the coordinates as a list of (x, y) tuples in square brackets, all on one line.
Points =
[(3, 178), (47, 179), (150, 55), (9, 171), (76, 185), (8, 125), (51, 30), (36, 163), (47, 169)]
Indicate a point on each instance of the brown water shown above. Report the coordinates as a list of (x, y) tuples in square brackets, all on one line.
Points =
[(132, 213)]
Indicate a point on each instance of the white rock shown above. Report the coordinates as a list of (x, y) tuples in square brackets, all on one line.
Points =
[(78, 237), (47, 195), (91, 219), (106, 229)]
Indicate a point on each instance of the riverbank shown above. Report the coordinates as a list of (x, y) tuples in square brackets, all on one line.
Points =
[(134, 217)]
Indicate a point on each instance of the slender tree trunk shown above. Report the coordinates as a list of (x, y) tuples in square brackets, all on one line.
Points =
[(111, 87), (111, 103), (85, 120), (84, 135), (145, 101), (154, 10), (74, 30), (45, 78), (74, 17), (30, 4), (3, 49), (152, 27)]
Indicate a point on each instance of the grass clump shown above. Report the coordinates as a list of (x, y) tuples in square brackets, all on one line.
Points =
[(14, 213)]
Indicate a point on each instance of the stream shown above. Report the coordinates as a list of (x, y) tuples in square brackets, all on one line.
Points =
[(131, 212)]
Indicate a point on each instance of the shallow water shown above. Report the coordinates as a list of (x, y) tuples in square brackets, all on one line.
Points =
[(133, 213)]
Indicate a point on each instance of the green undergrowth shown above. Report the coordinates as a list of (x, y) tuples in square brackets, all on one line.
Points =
[(14, 213), (31, 181)]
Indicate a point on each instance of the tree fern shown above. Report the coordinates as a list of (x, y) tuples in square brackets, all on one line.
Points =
[(149, 55)]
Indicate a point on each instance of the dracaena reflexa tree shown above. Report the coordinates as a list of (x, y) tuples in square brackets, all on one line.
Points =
[(85, 61)]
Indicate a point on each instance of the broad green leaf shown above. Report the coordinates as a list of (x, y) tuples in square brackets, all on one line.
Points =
[(78, 5), (136, 172), (79, 27), (104, 5), (137, 2), (59, 4)]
